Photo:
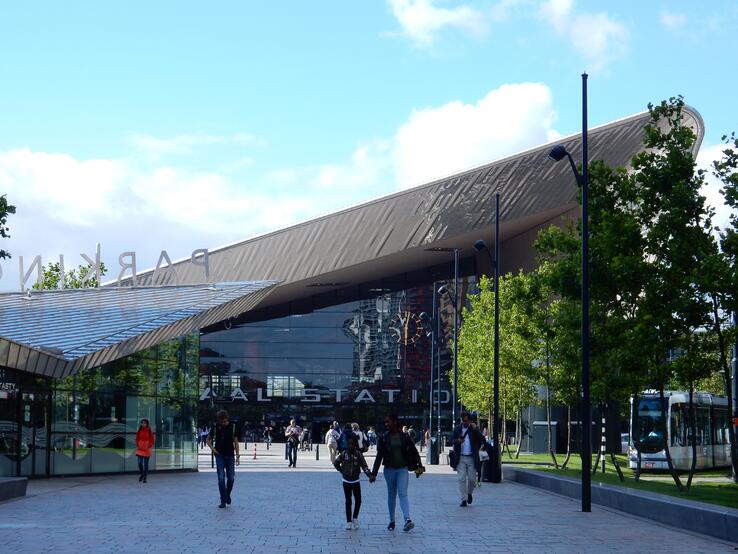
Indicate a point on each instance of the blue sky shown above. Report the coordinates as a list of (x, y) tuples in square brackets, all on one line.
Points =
[(173, 125)]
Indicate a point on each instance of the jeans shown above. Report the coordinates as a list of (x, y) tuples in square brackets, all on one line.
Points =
[(143, 465), (292, 453), (396, 479), (348, 490), (226, 468), (467, 475)]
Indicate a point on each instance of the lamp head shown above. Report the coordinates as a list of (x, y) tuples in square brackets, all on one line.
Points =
[(558, 153), (443, 289), (480, 245)]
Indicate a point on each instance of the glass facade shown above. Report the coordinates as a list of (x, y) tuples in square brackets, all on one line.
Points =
[(87, 423), (330, 358)]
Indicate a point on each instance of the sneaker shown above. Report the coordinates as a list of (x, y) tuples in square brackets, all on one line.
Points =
[(408, 525), (140, 478), (463, 504), (144, 479), (391, 526), (228, 500), (221, 505), (356, 523), (349, 526), (469, 498)]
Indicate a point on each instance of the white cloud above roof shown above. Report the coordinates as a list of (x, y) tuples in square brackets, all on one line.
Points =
[(422, 20)]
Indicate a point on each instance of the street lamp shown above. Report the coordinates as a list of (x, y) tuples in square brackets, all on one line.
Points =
[(557, 154), (479, 246), (443, 289), (432, 451)]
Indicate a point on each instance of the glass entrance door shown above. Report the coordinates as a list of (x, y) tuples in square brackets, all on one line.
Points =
[(33, 443)]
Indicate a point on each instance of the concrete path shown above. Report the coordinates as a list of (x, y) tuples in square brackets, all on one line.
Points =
[(276, 509)]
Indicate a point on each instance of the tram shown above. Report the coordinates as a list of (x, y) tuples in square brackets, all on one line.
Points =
[(712, 432)]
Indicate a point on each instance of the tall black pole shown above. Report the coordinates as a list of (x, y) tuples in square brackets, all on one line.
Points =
[(497, 467), (432, 365), (438, 374), (734, 385), (456, 336), (586, 408)]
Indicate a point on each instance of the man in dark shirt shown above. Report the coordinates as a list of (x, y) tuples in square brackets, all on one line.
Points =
[(223, 441)]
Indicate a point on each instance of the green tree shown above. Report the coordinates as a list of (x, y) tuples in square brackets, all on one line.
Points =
[(82, 277), (5, 210), (476, 350), (675, 224), (725, 298)]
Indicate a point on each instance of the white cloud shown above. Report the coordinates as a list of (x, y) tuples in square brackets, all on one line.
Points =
[(673, 21), (66, 205), (421, 20), (711, 189), (440, 141), (595, 36), (185, 144)]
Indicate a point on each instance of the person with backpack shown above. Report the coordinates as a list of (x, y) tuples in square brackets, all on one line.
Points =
[(397, 452), (223, 441), (346, 432), (145, 439), (350, 463), (363, 442), (331, 440)]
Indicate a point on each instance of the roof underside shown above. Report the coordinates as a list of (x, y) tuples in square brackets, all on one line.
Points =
[(57, 333), (392, 235)]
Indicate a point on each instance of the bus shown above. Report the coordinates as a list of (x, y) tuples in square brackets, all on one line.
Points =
[(712, 430)]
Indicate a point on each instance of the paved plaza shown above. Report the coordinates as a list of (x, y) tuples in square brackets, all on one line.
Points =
[(276, 509)]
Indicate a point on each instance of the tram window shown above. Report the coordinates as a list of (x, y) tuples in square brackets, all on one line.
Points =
[(679, 424), (721, 427), (704, 435)]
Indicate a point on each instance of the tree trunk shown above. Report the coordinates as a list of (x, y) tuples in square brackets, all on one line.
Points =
[(692, 435), (518, 432), (636, 435), (568, 436), (728, 384), (669, 462)]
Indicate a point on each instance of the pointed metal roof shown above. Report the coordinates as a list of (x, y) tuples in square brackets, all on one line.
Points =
[(57, 333)]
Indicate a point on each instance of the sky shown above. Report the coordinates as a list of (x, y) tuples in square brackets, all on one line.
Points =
[(150, 126)]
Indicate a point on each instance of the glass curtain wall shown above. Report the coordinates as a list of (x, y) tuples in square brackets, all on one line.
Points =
[(355, 360), (87, 423)]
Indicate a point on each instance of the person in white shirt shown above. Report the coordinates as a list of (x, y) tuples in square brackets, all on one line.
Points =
[(467, 441), (292, 433), (331, 440)]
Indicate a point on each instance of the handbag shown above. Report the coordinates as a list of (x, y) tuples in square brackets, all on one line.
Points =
[(483, 455), (455, 455)]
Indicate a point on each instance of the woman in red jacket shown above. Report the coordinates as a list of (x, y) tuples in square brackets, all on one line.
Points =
[(144, 443)]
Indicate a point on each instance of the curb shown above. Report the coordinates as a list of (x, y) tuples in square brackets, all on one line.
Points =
[(13, 487), (719, 522)]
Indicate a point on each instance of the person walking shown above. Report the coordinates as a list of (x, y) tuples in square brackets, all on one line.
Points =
[(223, 441), (145, 439), (398, 454), (467, 440), (292, 433), (372, 436), (362, 440), (350, 463), (331, 440)]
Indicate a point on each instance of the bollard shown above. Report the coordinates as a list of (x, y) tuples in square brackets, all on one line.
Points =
[(254, 451), (286, 454), (317, 451), (212, 458)]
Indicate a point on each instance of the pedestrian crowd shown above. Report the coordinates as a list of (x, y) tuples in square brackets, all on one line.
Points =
[(395, 452)]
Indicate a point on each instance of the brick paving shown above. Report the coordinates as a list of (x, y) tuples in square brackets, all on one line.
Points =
[(276, 509)]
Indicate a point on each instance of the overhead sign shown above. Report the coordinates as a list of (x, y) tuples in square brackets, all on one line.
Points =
[(336, 396), (126, 260)]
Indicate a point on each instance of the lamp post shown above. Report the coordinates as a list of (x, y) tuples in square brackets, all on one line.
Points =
[(428, 322), (558, 153), (479, 246), (443, 289)]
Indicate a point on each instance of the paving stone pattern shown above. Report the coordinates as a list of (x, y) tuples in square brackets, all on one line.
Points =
[(276, 509)]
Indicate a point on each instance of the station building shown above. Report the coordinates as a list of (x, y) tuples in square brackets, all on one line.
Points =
[(319, 321)]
